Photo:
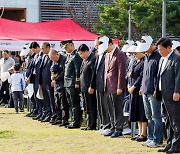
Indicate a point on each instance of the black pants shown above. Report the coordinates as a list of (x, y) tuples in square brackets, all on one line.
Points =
[(49, 103), (173, 109), (103, 113), (62, 106), (72, 95), (91, 109), (4, 92), (18, 95), (115, 110)]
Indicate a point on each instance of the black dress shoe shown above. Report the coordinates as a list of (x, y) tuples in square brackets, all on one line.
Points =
[(71, 126), (117, 134), (167, 147), (41, 118), (88, 128), (64, 124), (141, 138), (173, 150), (37, 117), (56, 122), (47, 119)]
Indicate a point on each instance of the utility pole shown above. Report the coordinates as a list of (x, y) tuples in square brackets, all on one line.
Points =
[(129, 25), (164, 18)]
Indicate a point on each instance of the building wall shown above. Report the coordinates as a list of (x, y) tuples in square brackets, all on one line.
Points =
[(84, 12), (31, 6)]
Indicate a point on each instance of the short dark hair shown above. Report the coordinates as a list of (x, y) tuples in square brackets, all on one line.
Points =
[(17, 67), (178, 48), (110, 41), (47, 44), (34, 45), (83, 48), (13, 53), (6, 51), (165, 42)]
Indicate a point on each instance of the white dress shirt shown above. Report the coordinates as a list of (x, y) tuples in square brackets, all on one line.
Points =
[(165, 59)]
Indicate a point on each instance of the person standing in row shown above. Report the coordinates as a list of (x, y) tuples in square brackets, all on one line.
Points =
[(98, 85), (137, 113), (86, 76), (17, 83), (114, 85), (35, 75), (71, 82), (168, 87), (57, 77), (5, 63), (47, 89), (151, 105)]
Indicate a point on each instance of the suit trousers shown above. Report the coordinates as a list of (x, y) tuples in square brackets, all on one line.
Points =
[(115, 109), (62, 106), (91, 109), (103, 113), (173, 109), (49, 104), (73, 98)]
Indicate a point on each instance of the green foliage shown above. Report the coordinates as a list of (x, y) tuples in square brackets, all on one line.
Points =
[(146, 18)]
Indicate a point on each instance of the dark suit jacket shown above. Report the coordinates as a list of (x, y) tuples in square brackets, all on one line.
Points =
[(98, 75), (60, 74), (29, 68), (36, 67), (115, 72), (86, 72), (72, 69), (170, 77), (45, 74)]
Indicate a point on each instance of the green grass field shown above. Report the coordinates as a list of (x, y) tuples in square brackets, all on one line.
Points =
[(22, 135)]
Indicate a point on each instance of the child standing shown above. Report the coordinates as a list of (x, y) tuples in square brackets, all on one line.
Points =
[(17, 87)]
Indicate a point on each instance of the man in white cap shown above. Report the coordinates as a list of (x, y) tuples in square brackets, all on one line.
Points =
[(151, 105), (5, 63), (98, 84), (176, 47)]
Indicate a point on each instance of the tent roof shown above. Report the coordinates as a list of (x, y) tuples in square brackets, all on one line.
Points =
[(56, 30)]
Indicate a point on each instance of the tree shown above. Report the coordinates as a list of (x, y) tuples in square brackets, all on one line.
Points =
[(146, 18)]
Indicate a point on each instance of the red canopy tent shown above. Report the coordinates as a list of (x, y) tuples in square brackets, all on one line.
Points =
[(15, 32)]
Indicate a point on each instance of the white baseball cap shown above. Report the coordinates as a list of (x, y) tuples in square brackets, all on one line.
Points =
[(103, 44), (25, 50), (175, 44), (145, 44), (133, 47), (127, 45)]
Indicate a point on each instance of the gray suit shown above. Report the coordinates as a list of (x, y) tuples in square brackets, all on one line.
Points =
[(170, 83)]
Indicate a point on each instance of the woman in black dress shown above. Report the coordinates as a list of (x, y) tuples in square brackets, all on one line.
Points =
[(137, 113)]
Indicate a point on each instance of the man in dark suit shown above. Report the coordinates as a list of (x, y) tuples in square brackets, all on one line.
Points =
[(98, 85), (114, 85), (86, 76), (49, 113), (34, 75), (169, 87), (57, 77), (29, 55), (71, 82)]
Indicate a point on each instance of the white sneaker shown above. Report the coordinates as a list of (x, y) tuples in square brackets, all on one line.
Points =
[(99, 131), (154, 145), (146, 143)]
